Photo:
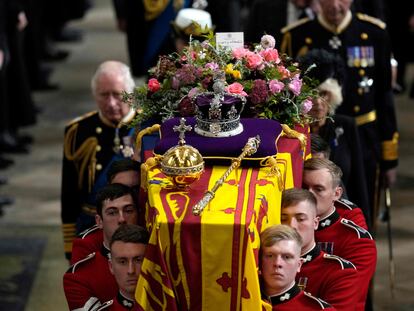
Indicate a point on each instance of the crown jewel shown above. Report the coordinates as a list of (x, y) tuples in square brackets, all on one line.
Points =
[(218, 112)]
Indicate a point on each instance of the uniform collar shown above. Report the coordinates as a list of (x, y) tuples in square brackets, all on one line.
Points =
[(312, 254), (105, 252), (342, 26), (328, 221), (125, 302), (125, 120), (284, 297)]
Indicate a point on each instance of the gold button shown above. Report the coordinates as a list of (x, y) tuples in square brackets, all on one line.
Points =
[(364, 36), (308, 40), (98, 167), (98, 130), (98, 148), (361, 72), (360, 91), (357, 108)]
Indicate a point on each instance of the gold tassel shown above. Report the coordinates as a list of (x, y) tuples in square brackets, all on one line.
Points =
[(274, 171), (288, 132), (146, 167), (138, 140)]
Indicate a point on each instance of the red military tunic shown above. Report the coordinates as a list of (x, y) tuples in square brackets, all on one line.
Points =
[(296, 299), (89, 282), (349, 210), (89, 241), (353, 243), (329, 277), (120, 303)]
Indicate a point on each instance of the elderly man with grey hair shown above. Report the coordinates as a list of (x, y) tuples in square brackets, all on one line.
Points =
[(92, 142)]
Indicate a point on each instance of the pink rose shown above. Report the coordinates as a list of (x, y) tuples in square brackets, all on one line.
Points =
[(276, 86), (239, 53), (253, 60), (153, 85), (306, 106), (270, 55), (295, 85), (236, 88), (283, 71)]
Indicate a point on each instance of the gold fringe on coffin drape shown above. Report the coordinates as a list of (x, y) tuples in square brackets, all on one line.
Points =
[(84, 157)]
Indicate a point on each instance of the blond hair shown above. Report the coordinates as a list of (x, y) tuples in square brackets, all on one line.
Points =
[(277, 233)]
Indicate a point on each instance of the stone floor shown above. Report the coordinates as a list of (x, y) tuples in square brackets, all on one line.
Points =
[(35, 179)]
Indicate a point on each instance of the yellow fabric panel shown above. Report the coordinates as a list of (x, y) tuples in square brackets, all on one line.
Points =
[(256, 194)]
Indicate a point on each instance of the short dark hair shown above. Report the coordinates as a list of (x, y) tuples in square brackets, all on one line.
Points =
[(319, 145), (112, 192), (294, 196), (130, 233), (122, 165)]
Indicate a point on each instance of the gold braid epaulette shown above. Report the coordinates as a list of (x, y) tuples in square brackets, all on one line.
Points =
[(84, 157), (370, 19), (288, 132)]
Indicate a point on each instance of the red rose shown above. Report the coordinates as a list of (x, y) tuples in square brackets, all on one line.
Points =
[(153, 85)]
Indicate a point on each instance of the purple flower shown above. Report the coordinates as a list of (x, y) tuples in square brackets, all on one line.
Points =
[(306, 106), (259, 92), (186, 74), (205, 83), (186, 107), (175, 83), (276, 86), (295, 85)]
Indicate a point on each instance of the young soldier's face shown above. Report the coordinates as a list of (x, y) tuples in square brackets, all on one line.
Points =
[(279, 265), (125, 265), (302, 217), (116, 212), (320, 183)]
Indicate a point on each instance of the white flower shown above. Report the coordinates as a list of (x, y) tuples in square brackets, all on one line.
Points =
[(268, 42)]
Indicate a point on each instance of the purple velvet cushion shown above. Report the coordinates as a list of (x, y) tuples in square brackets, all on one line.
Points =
[(223, 147)]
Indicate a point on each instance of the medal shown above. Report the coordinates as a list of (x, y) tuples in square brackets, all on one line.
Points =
[(335, 43)]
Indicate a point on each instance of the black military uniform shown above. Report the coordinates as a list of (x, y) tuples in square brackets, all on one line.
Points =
[(363, 43), (342, 135), (91, 144)]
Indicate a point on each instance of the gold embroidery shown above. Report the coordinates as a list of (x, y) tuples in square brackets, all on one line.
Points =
[(84, 157), (390, 148), (366, 118)]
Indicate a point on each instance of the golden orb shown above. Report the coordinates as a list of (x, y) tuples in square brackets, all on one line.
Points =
[(183, 165)]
